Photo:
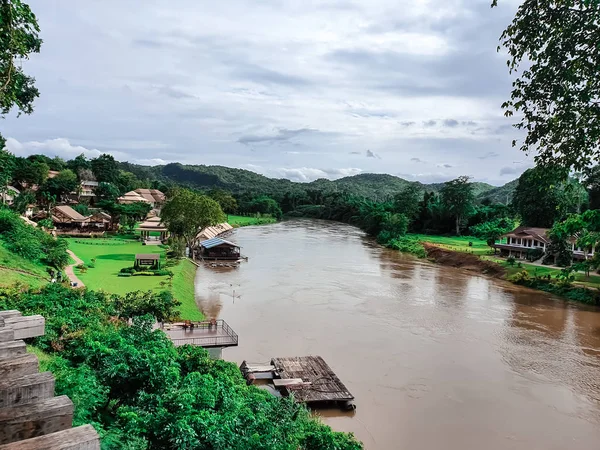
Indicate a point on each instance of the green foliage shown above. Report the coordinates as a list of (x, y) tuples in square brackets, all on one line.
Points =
[(18, 39), (556, 95), (107, 192), (458, 198), (533, 254), (186, 212), (23, 200), (492, 230), (82, 209), (139, 391), (263, 205), (511, 260), (521, 277), (227, 202), (408, 244), (61, 185), (7, 166), (105, 168), (542, 197), (30, 172), (30, 242)]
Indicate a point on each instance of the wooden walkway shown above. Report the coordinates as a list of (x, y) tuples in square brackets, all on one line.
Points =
[(308, 378)]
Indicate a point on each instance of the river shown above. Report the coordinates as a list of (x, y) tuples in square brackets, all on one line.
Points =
[(437, 358)]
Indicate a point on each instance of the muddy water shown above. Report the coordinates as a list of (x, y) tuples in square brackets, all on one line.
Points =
[(437, 358)]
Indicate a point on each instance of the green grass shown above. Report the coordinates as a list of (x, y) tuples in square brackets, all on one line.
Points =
[(184, 291), (44, 358), (456, 243), (244, 221), (15, 269), (112, 255)]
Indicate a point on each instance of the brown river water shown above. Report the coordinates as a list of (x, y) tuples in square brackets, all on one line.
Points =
[(437, 358)]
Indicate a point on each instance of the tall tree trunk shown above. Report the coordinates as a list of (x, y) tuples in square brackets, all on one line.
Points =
[(458, 225)]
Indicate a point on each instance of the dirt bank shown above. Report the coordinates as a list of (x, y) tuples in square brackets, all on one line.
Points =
[(461, 260)]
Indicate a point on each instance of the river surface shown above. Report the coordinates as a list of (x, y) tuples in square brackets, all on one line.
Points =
[(437, 358)]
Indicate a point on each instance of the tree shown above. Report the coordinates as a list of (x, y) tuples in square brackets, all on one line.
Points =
[(557, 96), (7, 166), (107, 191), (127, 181), (225, 200), (541, 197), (265, 205), (458, 198), (132, 213), (23, 200), (18, 39), (407, 201), (61, 185), (592, 184), (79, 164), (29, 172), (492, 230), (105, 168), (187, 212)]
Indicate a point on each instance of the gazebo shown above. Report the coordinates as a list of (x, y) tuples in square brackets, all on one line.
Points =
[(152, 225), (151, 260)]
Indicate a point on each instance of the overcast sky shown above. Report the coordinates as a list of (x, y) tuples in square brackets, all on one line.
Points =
[(296, 89)]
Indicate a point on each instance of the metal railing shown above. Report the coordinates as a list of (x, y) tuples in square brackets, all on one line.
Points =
[(227, 337)]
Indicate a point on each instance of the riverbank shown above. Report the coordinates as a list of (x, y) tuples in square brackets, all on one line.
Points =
[(244, 221), (467, 253)]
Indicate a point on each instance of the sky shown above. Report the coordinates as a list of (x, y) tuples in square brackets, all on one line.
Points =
[(301, 89)]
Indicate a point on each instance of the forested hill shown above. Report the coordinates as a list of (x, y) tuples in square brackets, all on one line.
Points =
[(369, 185)]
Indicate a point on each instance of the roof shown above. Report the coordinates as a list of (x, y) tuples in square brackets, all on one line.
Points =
[(152, 195), (101, 215), (69, 212), (53, 173), (89, 183), (152, 224), (132, 197), (211, 232), (540, 234), (147, 256), (215, 242)]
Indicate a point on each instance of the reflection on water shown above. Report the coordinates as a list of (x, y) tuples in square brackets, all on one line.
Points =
[(436, 357)]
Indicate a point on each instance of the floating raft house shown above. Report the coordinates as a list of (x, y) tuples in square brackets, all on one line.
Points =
[(308, 378)]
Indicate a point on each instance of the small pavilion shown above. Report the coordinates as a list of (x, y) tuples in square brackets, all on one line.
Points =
[(150, 227), (147, 260), (219, 249)]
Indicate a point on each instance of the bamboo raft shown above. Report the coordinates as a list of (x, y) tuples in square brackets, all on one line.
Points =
[(308, 378)]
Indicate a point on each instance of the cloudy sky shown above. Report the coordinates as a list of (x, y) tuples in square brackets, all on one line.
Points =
[(298, 89)]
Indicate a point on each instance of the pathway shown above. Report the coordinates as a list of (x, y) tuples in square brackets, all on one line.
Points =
[(71, 273)]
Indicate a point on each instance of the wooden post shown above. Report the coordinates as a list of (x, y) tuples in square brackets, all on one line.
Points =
[(12, 349), (35, 419), (27, 389), (26, 326), (19, 366), (80, 438)]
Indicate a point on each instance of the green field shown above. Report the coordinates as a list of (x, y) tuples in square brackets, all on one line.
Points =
[(244, 221), (114, 254), (456, 243), (15, 269)]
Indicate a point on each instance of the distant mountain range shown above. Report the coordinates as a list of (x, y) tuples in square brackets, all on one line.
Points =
[(369, 185)]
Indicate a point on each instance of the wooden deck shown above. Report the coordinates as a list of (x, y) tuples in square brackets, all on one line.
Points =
[(308, 378), (203, 334)]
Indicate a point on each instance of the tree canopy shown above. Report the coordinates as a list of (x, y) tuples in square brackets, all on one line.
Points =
[(557, 96), (457, 195), (187, 212)]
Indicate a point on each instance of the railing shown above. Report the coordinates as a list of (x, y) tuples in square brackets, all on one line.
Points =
[(227, 337)]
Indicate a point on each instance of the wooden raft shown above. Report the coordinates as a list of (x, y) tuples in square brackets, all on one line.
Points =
[(31, 418), (311, 381)]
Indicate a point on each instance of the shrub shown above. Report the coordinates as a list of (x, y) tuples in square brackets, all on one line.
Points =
[(129, 270), (163, 273), (511, 260), (408, 245), (143, 274), (521, 277), (124, 274)]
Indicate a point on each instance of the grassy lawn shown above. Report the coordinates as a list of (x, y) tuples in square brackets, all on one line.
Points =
[(112, 255), (184, 291), (243, 221), (456, 243), (15, 269)]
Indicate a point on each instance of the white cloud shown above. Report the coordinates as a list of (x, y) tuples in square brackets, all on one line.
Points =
[(279, 81)]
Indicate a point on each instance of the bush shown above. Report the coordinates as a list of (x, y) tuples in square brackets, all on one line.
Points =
[(408, 245), (124, 274), (163, 273), (511, 260), (533, 254), (521, 277), (129, 270), (143, 274)]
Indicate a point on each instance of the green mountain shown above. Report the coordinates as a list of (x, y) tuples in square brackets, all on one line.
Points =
[(370, 185)]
